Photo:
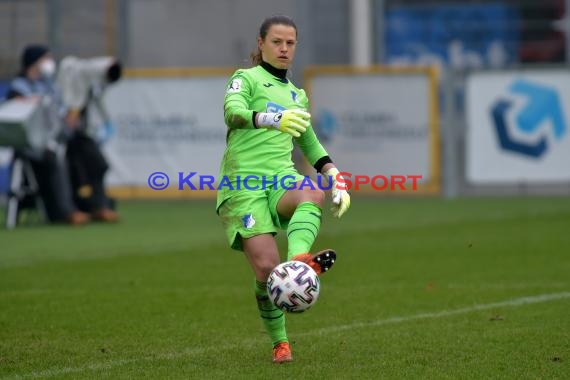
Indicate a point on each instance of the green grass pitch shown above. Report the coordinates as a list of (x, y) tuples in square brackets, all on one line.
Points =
[(422, 289)]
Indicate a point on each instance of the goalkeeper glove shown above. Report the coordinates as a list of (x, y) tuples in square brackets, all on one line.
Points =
[(340, 196), (293, 122)]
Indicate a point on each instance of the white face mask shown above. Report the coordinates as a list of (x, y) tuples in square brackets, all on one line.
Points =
[(48, 68)]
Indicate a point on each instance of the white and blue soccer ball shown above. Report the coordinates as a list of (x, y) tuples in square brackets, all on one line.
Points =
[(293, 286)]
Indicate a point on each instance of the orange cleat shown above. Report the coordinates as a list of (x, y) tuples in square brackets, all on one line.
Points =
[(282, 353), (320, 262)]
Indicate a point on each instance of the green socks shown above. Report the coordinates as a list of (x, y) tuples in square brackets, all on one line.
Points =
[(273, 318), (301, 233), (303, 228)]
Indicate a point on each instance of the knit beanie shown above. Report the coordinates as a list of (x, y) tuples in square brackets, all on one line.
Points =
[(32, 54)]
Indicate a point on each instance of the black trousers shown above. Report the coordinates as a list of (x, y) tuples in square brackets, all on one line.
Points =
[(54, 185), (87, 167)]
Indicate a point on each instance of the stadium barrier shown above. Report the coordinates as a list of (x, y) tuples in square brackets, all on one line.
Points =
[(382, 121), (166, 120), (507, 132), (379, 121)]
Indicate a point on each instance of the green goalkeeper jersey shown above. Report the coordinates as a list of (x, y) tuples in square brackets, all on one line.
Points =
[(261, 152)]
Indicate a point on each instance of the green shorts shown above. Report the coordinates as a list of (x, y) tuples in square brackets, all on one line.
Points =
[(247, 213)]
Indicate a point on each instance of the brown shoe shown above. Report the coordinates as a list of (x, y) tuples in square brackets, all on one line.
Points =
[(106, 215), (78, 218)]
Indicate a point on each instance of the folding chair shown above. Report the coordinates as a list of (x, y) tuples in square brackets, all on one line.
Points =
[(15, 117), (23, 192)]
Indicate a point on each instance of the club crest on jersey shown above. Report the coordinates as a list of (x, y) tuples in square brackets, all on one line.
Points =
[(294, 97), (248, 221), (235, 86)]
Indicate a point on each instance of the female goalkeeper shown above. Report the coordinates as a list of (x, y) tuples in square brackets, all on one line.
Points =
[(265, 113)]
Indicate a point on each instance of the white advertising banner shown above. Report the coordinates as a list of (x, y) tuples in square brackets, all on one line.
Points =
[(378, 123), (165, 125), (517, 127)]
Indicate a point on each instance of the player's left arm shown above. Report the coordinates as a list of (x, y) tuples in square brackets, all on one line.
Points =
[(318, 157)]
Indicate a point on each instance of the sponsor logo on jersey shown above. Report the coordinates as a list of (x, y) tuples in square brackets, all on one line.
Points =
[(274, 107), (267, 84)]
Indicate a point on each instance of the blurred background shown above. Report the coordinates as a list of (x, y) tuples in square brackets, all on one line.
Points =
[(465, 275), (398, 87), (153, 33)]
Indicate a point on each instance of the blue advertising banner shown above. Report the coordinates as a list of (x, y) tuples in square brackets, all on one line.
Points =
[(460, 36)]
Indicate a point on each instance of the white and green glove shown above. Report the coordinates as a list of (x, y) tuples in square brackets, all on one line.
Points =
[(339, 191), (294, 122)]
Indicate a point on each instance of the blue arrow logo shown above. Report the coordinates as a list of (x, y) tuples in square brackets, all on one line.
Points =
[(543, 104)]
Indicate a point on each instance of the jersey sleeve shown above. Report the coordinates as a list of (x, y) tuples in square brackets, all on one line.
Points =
[(308, 141), (239, 92)]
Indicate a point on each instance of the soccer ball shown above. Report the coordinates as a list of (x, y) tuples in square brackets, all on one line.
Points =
[(293, 286)]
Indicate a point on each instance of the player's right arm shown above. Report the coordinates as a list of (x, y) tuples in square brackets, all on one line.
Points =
[(237, 112)]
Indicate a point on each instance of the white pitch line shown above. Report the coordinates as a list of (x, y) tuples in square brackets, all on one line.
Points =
[(445, 313), (331, 329)]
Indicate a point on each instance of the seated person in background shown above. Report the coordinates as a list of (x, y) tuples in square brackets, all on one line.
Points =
[(35, 82), (82, 83)]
